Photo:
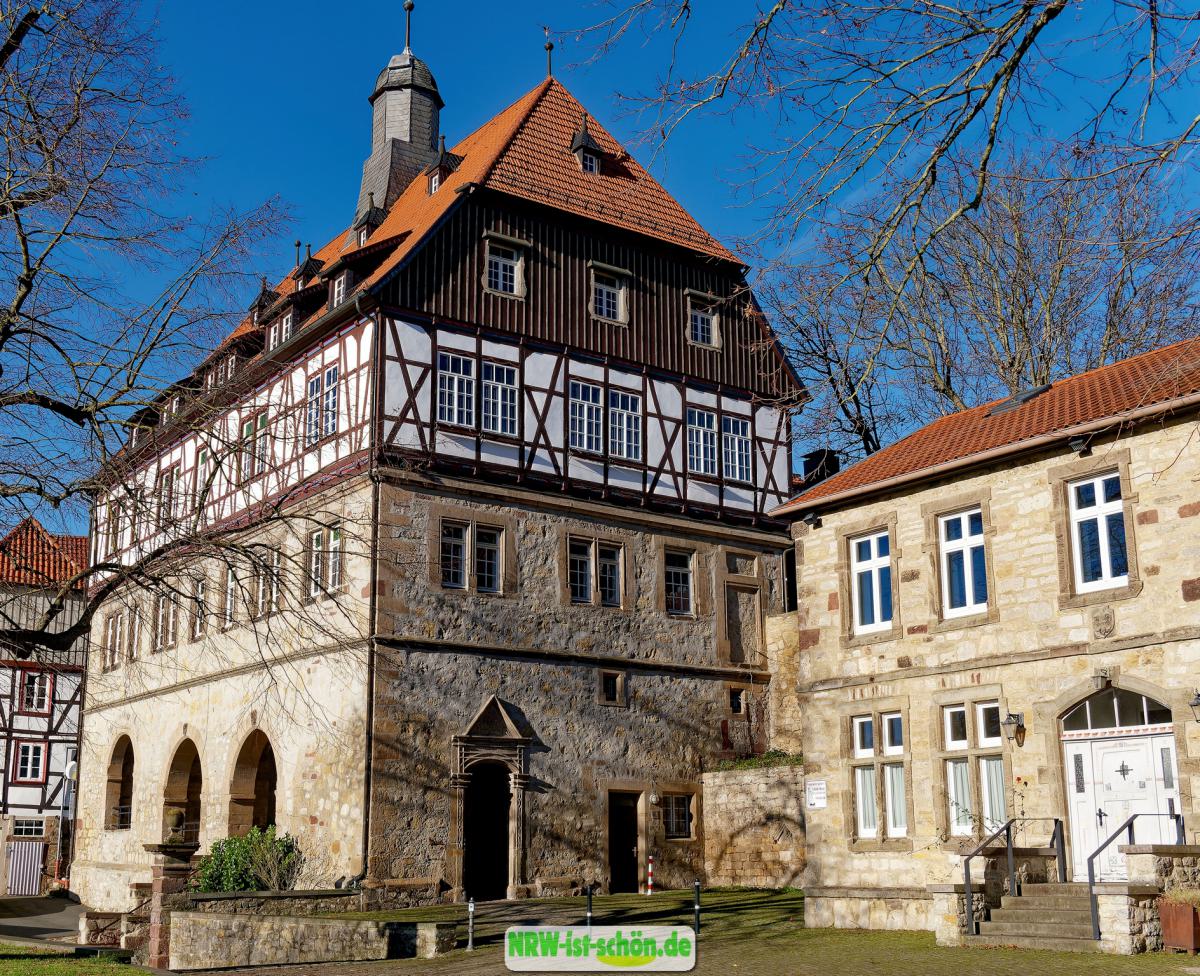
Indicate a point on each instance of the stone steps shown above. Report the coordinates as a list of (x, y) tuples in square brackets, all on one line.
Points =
[(1041, 943), (1052, 916), (1063, 903), (1047, 929), (1040, 913)]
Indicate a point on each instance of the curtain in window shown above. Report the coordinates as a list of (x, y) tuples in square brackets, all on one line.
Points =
[(864, 790), (991, 774), (897, 808), (958, 782)]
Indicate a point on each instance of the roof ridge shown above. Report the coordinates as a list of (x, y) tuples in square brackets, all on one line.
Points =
[(539, 92)]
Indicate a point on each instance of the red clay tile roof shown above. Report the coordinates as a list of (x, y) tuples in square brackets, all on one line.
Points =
[(31, 556), (1098, 398)]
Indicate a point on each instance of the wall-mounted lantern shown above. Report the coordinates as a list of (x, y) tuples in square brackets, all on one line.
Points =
[(1195, 704), (1014, 727)]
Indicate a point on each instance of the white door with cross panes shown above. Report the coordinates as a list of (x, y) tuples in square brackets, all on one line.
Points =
[(1119, 754), (1108, 781)]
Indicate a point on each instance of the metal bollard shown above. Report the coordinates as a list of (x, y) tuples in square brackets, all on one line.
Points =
[(696, 906), (589, 910), (650, 875), (471, 925)]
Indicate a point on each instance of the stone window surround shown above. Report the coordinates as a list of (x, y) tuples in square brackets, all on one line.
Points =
[(885, 523), (471, 518), (969, 696), (597, 539), (693, 796), (848, 711), (522, 248), (622, 688), (701, 576), (624, 279), (931, 512), (726, 580), (1104, 459), (747, 691)]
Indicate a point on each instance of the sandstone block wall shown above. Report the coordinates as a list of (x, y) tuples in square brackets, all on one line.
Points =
[(754, 827)]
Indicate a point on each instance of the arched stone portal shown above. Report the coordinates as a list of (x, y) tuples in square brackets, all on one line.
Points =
[(252, 790), (118, 795), (183, 795), (488, 826)]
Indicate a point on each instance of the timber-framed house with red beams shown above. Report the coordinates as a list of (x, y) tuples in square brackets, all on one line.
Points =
[(41, 697), (511, 439)]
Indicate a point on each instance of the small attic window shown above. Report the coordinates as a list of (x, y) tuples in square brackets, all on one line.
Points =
[(363, 234), (590, 162), (1018, 400), (339, 289), (435, 181)]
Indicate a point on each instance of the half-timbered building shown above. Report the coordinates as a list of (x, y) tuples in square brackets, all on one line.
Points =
[(498, 459), (40, 702)]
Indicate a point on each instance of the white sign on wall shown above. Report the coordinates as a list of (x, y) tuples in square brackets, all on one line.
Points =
[(815, 794)]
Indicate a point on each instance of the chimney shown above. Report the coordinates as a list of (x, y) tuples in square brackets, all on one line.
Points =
[(819, 465)]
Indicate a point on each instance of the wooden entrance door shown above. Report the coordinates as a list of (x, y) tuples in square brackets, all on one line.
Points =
[(1108, 781), (624, 861)]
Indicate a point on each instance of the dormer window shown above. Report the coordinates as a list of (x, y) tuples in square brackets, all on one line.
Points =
[(610, 287), (285, 327), (363, 234), (445, 164), (435, 181), (590, 162), (339, 289), (505, 264), (586, 149)]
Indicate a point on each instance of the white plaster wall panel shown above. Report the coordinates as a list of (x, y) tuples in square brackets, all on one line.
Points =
[(587, 371), (732, 405), (501, 350), (456, 341), (625, 477), (500, 452), (539, 369), (703, 492), (631, 381), (456, 445), (584, 469), (701, 398), (739, 497)]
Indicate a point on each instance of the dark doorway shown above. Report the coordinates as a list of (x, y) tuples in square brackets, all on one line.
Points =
[(252, 792), (623, 860), (485, 833)]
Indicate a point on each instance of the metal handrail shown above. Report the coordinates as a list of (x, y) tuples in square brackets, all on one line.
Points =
[(1091, 861), (1056, 842)]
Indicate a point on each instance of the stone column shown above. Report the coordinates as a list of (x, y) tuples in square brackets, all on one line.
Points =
[(517, 834), (172, 866), (454, 849)]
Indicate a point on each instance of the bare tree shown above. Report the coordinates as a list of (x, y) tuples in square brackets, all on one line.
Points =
[(895, 89), (103, 293), (1061, 269)]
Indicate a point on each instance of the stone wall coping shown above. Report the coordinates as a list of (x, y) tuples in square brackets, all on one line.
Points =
[(282, 895), (783, 771), (921, 894), (951, 889), (1122, 888), (310, 920), (1161, 850)]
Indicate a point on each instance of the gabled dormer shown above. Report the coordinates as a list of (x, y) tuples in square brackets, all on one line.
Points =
[(445, 164), (308, 270), (587, 150), (368, 222), (264, 300)]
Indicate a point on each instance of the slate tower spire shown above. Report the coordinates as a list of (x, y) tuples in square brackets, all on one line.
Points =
[(404, 130)]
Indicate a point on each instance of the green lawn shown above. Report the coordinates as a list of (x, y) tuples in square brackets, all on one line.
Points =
[(21, 961)]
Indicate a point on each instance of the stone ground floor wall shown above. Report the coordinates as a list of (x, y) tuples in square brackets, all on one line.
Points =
[(311, 710), (754, 827), (222, 941), (567, 754), (896, 869)]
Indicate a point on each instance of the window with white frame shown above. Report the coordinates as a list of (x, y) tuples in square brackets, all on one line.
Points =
[(609, 573), (504, 269), (625, 425), (735, 448), (702, 441), (168, 497), (579, 570), (677, 582), (973, 749), (471, 556), (256, 445), (35, 692), (324, 560), (594, 569), (200, 609), (677, 816), (702, 326), (878, 758), (587, 417), (963, 563), (339, 289), (456, 390), (435, 181), (229, 607), (116, 638), (499, 399), (329, 412), (28, 827), (312, 432), (363, 234), (1097, 514), (589, 162), (165, 621), (871, 582), (608, 296), (31, 762)]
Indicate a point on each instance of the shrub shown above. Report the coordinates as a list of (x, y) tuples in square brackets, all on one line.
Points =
[(775, 757), (259, 861), (1183, 896)]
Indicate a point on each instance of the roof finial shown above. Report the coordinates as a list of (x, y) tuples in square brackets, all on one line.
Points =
[(371, 199), (308, 252), (297, 254), (408, 9), (549, 54)]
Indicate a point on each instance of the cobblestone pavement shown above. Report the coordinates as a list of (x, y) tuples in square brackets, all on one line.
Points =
[(753, 934)]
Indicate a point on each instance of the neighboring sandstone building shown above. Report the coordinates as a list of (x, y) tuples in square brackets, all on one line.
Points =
[(40, 699), (495, 466), (1000, 618)]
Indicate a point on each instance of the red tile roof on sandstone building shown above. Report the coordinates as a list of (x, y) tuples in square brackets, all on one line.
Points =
[(1103, 397), (31, 556)]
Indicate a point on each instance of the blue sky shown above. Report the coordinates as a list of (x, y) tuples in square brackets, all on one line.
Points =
[(277, 95)]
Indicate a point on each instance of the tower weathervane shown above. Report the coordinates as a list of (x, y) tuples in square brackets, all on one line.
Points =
[(549, 54)]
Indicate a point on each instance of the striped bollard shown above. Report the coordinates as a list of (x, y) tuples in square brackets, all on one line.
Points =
[(650, 875)]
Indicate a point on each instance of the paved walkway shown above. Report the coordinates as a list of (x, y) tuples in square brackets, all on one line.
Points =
[(56, 919)]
